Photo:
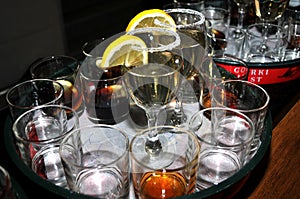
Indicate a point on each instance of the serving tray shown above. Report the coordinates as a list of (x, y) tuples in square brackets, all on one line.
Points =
[(225, 189)]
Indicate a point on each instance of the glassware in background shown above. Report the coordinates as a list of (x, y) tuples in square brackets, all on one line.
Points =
[(248, 98), (47, 164), (153, 85), (242, 6), (217, 69), (220, 4), (96, 161), (291, 24), (268, 11), (218, 21), (225, 136), (230, 45), (62, 69), (170, 175), (31, 93), (41, 126), (190, 4), (105, 97), (6, 187), (272, 38), (191, 24)]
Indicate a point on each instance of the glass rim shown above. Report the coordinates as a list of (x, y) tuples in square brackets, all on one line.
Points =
[(164, 31), (264, 106), (59, 106), (92, 44), (186, 131), (61, 92), (98, 79), (236, 111), (188, 11), (37, 63), (91, 126)]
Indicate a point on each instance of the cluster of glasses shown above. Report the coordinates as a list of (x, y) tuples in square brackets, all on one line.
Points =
[(271, 36), (178, 123)]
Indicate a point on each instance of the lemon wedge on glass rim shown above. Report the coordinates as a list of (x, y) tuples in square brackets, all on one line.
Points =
[(123, 51), (151, 18)]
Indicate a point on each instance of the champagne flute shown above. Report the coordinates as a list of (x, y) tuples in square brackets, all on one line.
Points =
[(191, 24), (268, 11), (153, 86)]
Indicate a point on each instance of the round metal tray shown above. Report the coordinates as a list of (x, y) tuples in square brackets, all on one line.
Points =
[(225, 189)]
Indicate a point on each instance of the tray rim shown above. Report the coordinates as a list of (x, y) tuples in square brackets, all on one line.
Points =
[(61, 192)]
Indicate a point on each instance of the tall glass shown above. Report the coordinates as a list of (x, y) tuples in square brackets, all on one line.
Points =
[(154, 85), (191, 24)]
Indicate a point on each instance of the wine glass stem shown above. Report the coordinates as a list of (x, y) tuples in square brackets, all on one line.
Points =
[(264, 47), (241, 11), (153, 145)]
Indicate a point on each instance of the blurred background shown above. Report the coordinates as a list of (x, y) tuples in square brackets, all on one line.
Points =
[(33, 29)]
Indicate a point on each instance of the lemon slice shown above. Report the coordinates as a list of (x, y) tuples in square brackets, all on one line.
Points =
[(152, 18), (123, 51)]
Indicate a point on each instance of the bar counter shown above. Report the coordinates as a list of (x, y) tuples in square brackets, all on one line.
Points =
[(282, 174), (278, 174)]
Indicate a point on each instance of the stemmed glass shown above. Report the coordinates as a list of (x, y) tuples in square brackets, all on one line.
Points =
[(191, 24), (153, 86), (268, 11), (242, 6)]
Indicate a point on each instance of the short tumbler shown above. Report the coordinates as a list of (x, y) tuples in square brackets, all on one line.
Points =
[(96, 161), (31, 93), (169, 173), (225, 136), (249, 99), (42, 126)]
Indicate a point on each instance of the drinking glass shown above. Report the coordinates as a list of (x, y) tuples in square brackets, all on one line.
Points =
[(225, 136), (105, 97), (62, 69), (41, 126), (292, 26), (268, 11), (272, 37), (217, 69), (31, 93), (218, 21), (170, 175), (191, 24), (96, 161), (246, 97), (232, 44), (154, 85)]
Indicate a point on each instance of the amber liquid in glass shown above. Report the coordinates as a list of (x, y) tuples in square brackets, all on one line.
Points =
[(162, 185)]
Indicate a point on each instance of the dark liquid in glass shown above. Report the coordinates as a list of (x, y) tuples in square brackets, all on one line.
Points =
[(111, 101)]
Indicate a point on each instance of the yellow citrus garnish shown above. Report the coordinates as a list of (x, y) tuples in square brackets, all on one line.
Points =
[(152, 18), (123, 51)]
